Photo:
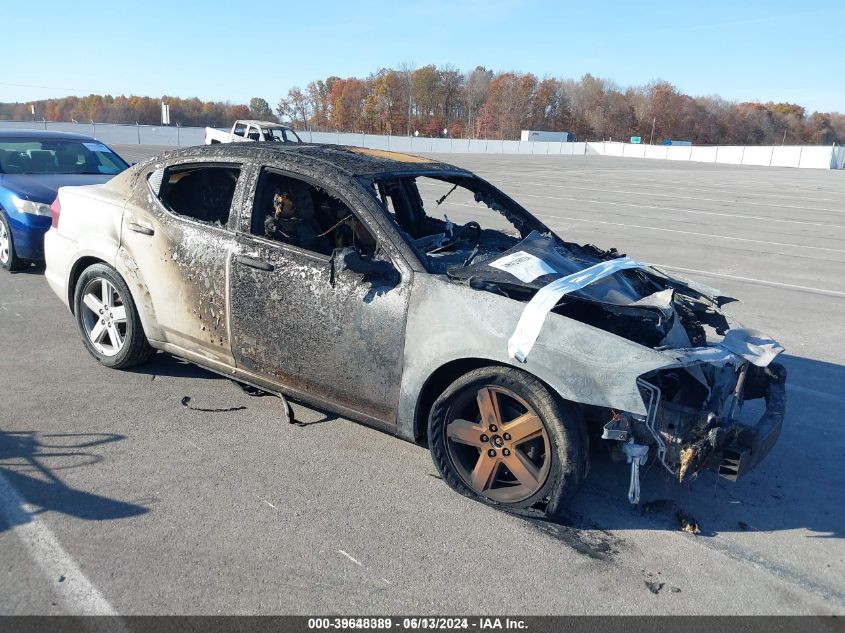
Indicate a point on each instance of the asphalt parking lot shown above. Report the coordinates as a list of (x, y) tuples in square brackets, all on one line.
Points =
[(116, 498)]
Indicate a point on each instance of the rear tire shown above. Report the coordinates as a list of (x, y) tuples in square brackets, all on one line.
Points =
[(108, 320), (498, 435), (8, 259)]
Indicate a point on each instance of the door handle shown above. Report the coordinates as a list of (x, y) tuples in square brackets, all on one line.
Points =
[(255, 263), (139, 228)]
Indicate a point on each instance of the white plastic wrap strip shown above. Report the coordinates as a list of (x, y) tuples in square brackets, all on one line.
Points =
[(755, 347), (535, 311)]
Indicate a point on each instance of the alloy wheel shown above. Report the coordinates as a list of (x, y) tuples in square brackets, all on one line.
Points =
[(5, 244), (498, 444), (104, 316)]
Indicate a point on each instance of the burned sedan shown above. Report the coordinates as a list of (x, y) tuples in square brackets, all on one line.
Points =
[(415, 297)]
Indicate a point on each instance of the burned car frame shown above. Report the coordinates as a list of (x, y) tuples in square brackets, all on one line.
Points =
[(327, 275)]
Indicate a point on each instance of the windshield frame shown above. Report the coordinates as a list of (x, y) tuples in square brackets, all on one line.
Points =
[(523, 220)]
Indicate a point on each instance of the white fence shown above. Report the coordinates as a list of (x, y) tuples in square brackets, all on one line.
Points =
[(803, 156), (117, 134)]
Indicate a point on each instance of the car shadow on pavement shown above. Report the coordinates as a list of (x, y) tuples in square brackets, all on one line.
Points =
[(30, 486), (797, 486), (32, 269), (164, 364)]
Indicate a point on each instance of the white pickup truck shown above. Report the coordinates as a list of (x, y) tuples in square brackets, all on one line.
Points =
[(245, 130)]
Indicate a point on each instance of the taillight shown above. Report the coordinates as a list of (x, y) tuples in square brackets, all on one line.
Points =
[(55, 210)]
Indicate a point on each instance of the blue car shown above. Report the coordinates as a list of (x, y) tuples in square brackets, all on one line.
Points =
[(33, 165)]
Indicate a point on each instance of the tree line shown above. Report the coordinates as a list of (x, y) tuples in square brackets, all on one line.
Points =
[(444, 101), (121, 109)]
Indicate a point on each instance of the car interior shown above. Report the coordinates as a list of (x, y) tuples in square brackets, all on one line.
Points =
[(203, 193), (468, 227), (50, 157), (297, 213)]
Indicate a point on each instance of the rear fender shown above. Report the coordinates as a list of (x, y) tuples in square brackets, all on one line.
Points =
[(131, 273)]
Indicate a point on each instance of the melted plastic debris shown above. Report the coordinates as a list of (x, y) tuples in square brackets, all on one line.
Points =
[(687, 456), (186, 402), (688, 523)]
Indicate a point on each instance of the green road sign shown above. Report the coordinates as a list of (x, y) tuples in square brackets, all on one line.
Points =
[(636, 140)]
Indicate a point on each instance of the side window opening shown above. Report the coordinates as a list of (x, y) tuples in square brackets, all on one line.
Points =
[(240, 129), (294, 212), (200, 192)]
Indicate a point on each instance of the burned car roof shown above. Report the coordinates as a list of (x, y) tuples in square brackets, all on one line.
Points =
[(355, 161)]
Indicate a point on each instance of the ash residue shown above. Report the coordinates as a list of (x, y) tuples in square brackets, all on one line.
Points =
[(590, 541)]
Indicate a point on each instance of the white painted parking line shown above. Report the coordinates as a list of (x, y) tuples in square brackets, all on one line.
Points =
[(670, 209), (719, 237), (666, 195), (354, 560), (642, 187), (77, 593), (691, 211), (764, 282)]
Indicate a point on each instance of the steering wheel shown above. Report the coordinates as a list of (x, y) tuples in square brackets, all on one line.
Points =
[(472, 227), (461, 233)]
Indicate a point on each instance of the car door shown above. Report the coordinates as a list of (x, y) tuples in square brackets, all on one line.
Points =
[(327, 334), (178, 229)]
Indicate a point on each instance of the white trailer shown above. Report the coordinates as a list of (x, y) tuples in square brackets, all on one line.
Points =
[(552, 137)]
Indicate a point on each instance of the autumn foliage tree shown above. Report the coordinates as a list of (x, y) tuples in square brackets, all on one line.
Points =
[(132, 109), (429, 99)]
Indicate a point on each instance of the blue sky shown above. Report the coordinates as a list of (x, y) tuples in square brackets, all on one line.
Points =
[(741, 50)]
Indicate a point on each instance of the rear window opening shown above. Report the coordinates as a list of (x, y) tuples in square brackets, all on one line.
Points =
[(201, 192)]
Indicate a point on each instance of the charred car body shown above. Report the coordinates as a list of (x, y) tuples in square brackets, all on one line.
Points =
[(326, 274)]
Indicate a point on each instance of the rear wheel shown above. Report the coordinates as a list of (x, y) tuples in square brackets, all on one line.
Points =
[(500, 436), (108, 320), (8, 259)]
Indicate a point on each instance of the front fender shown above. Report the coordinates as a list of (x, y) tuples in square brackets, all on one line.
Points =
[(448, 322)]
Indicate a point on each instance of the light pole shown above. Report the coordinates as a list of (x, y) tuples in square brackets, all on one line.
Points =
[(651, 138)]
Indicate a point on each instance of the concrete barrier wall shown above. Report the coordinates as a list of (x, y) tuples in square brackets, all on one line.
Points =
[(730, 154), (678, 152), (703, 153), (839, 158), (786, 156), (758, 156), (633, 151), (810, 157), (816, 157)]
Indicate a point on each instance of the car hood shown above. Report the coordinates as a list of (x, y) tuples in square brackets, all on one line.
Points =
[(43, 187), (616, 294)]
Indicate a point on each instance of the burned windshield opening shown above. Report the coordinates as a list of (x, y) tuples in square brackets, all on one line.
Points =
[(449, 219)]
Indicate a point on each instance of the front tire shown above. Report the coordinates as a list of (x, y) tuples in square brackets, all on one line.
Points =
[(8, 259), (108, 320), (500, 436)]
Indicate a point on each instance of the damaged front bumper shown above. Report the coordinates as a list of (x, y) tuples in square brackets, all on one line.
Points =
[(739, 448), (688, 440)]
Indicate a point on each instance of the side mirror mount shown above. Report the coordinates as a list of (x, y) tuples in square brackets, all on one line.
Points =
[(350, 258)]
